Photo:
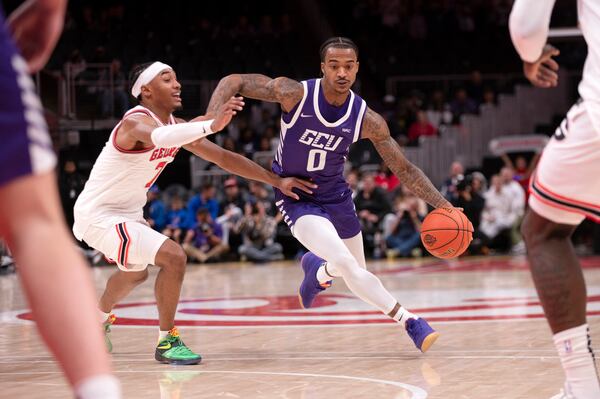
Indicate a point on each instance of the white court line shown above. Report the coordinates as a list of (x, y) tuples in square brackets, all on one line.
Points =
[(417, 392), (237, 359), (332, 353)]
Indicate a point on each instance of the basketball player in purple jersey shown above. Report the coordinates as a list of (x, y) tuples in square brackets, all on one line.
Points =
[(321, 119), (56, 279)]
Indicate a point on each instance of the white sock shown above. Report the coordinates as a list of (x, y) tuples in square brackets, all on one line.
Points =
[(574, 348), (400, 314), (98, 387), (326, 273), (103, 316), (162, 335)]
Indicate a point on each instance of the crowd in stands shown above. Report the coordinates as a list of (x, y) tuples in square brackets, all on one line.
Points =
[(233, 224), (240, 221)]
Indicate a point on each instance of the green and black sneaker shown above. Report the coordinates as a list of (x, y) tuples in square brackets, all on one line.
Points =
[(106, 327), (172, 350)]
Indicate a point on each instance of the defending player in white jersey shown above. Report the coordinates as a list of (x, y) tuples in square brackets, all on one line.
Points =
[(108, 213), (564, 190)]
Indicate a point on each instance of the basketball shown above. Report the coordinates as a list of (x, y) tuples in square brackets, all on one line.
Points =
[(446, 234)]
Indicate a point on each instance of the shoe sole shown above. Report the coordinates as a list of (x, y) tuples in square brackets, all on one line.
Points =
[(429, 340), (188, 362)]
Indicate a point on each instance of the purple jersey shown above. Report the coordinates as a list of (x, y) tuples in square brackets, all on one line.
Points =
[(26, 146), (313, 147)]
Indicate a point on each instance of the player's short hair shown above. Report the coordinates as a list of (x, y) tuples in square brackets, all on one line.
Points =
[(135, 74), (337, 42)]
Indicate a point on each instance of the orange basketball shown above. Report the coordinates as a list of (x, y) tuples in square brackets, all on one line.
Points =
[(446, 233)]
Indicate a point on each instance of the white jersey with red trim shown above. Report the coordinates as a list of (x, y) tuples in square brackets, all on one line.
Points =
[(589, 88), (116, 189)]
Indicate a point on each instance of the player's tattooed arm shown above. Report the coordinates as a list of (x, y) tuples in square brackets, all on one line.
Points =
[(376, 129), (284, 91)]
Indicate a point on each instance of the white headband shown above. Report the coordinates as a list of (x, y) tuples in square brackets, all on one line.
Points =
[(147, 76)]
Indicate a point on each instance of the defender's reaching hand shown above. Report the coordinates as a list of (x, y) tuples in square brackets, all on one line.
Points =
[(226, 112), (287, 184)]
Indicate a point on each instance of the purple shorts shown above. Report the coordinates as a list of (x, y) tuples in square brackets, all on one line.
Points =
[(341, 214), (26, 146)]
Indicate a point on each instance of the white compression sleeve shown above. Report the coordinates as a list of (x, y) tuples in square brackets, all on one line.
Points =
[(320, 237), (529, 23), (181, 134)]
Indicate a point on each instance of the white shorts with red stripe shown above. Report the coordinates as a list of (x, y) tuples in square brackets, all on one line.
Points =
[(566, 186), (132, 244)]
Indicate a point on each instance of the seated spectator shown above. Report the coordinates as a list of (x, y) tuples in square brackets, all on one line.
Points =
[(386, 179), (230, 211), (372, 205), (499, 216), (462, 104), (421, 127), (469, 199), (518, 195), (204, 241), (475, 87), (154, 211), (438, 112), (204, 199), (507, 175), (448, 189), (177, 220), (233, 196), (258, 230), (521, 170), (259, 192), (70, 185), (489, 97), (402, 230)]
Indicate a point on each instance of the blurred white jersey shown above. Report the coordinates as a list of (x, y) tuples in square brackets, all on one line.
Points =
[(116, 189), (589, 88)]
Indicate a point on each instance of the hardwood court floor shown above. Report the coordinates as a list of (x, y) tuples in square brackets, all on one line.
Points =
[(257, 343)]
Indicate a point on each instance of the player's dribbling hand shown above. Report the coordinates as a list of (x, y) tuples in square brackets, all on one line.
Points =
[(543, 72), (226, 112), (287, 184)]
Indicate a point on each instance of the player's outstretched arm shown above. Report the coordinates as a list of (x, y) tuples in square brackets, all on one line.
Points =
[(376, 129), (242, 166), (142, 128), (284, 91)]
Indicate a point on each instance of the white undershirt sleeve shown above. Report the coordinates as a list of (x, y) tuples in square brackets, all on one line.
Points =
[(529, 23), (181, 134)]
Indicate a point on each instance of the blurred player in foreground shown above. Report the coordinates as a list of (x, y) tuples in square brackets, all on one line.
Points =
[(56, 279), (564, 190)]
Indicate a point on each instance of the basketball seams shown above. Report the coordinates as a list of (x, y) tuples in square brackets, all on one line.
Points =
[(461, 228), (456, 229)]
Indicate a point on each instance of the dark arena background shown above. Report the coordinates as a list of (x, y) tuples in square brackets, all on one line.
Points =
[(446, 78)]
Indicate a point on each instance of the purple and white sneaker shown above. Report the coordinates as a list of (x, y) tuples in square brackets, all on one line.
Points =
[(310, 286), (421, 333)]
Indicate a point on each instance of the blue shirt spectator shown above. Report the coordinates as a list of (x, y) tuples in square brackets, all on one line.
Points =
[(204, 241), (205, 199), (155, 211), (177, 217)]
